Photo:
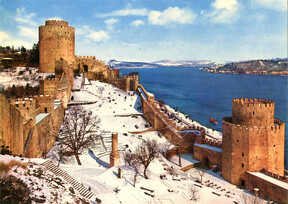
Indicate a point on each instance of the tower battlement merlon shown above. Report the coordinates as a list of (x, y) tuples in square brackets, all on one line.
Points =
[(253, 102), (251, 112), (56, 22)]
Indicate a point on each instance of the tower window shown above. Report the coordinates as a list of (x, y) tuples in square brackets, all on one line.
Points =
[(242, 165), (237, 140), (242, 154), (45, 110)]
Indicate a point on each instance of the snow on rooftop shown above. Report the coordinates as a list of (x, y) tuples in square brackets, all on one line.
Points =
[(40, 117), (216, 149)]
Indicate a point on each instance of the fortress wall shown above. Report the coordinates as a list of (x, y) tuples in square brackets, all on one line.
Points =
[(16, 138), (11, 128), (48, 86), (266, 188), (45, 133), (45, 103), (26, 107), (226, 149), (159, 123), (5, 120), (276, 147), (253, 112), (207, 156)]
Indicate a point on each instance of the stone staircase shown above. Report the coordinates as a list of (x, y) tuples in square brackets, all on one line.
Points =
[(76, 185)]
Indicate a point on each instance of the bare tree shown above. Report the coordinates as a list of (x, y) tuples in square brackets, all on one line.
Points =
[(146, 152), (201, 174), (193, 192), (132, 160), (78, 130), (61, 153)]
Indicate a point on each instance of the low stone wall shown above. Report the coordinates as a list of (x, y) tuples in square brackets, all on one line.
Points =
[(208, 157), (270, 189)]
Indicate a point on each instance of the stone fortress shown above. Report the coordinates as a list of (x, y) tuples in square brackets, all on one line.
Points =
[(251, 153), (30, 125)]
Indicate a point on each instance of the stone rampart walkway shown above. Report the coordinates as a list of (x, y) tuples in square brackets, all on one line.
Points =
[(76, 185)]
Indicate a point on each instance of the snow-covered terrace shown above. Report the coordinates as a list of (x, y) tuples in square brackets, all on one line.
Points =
[(216, 149), (270, 179), (40, 117)]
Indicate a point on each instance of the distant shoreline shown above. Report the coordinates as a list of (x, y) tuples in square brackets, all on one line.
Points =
[(212, 70)]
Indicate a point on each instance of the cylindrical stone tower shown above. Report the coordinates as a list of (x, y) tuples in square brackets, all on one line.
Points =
[(114, 156), (252, 140), (56, 42)]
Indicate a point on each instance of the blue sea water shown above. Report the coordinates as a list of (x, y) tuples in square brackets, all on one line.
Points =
[(202, 95)]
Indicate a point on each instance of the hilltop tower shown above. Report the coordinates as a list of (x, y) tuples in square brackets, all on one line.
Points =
[(252, 140), (56, 44)]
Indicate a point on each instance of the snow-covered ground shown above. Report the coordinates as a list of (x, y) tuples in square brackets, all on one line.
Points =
[(20, 76), (119, 112)]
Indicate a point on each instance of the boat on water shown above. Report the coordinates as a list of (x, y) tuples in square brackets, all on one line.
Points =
[(212, 120)]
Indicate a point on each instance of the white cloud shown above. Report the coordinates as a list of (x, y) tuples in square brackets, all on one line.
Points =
[(3, 36), (225, 4), (224, 11), (83, 30), (55, 18), (172, 15), (23, 17), (90, 34), (28, 32), (137, 23), (111, 22), (126, 12), (6, 40), (99, 36), (280, 5)]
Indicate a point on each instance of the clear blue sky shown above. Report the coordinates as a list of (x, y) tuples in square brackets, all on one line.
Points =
[(150, 30)]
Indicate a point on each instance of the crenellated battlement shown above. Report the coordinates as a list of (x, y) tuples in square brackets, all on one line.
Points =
[(212, 143), (252, 112), (22, 102), (41, 97), (56, 22), (278, 125), (90, 59), (253, 102)]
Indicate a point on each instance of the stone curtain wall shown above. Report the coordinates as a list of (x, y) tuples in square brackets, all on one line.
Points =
[(45, 133), (266, 188)]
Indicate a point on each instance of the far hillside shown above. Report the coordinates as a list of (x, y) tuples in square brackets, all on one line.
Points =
[(271, 66)]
